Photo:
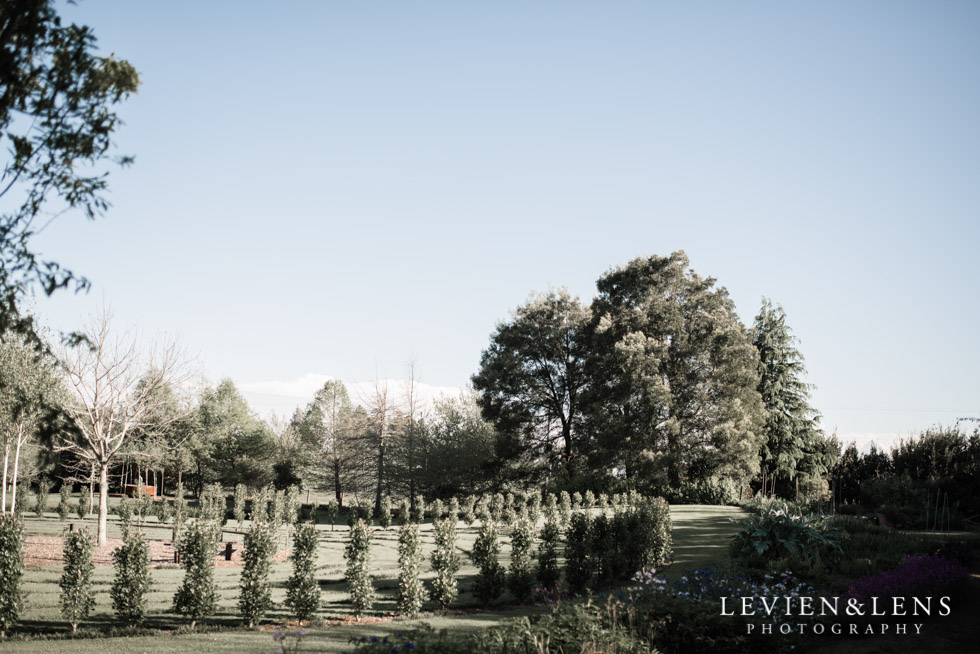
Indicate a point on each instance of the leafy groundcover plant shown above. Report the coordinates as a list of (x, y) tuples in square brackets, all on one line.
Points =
[(779, 532)]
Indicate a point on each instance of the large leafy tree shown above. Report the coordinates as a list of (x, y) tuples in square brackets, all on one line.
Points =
[(331, 429), (229, 443), (57, 120), (673, 377), (456, 449), (31, 396), (793, 442), (531, 380)]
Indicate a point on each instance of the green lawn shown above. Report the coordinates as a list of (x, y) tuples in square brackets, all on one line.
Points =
[(700, 538)]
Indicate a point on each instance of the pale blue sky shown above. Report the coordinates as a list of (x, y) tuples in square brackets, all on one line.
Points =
[(329, 187)]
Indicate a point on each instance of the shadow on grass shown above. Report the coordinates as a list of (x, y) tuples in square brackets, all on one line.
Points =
[(701, 536)]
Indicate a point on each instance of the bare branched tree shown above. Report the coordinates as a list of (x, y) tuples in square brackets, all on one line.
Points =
[(115, 391), (380, 412), (411, 430)]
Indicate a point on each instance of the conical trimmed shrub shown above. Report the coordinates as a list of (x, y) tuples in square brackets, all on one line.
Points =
[(131, 584), (489, 582), (411, 592), (358, 575), (197, 596), (445, 563), (303, 589), (255, 595), (77, 600), (11, 570)]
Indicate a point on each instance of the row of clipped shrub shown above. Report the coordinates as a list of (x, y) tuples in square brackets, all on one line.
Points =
[(614, 546)]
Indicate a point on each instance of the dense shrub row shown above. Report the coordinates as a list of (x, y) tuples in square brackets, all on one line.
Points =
[(601, 550), (635, 535)]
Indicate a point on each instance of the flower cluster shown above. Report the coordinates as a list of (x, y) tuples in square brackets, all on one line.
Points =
[(553, 596), (393, 644), (922, 574), (710, 585)]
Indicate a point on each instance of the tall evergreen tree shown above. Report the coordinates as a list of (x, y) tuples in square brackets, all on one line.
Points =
[(228, 442), (792, 442)]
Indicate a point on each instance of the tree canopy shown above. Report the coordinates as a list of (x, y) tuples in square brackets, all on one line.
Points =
[(57, 120), (332, 431), (793, 442), (673, 377), (456, 449), (114, 388), (230, 444), (531, 379), (31, 400)]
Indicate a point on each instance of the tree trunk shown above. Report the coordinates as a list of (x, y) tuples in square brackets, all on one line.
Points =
[(411, 492), (200, 481), (6, 459), (673, 460), (103, 537), (566, 436), (91, 489), (411, 464), (380, 487), (13, 491), (338, 491)]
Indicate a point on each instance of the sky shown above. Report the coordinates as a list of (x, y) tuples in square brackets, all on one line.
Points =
[(331, 189)]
